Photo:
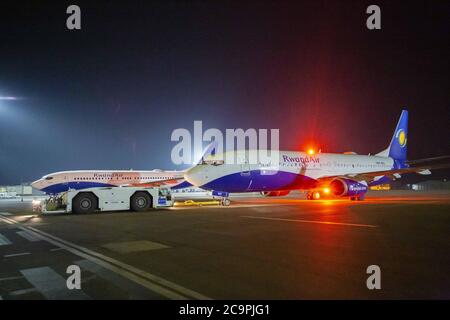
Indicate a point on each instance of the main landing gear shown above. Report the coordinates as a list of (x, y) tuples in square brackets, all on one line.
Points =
[(317, 195), (313, 195), (225, 202), (358, 198)]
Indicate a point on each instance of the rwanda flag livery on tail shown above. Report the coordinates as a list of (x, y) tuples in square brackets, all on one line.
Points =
[(398, 146), (340, 175)]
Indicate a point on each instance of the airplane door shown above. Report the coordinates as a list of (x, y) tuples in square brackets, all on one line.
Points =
[(245, 170), (246, 175), (65, 182)]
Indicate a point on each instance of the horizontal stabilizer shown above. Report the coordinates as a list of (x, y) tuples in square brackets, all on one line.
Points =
[(421, 166)]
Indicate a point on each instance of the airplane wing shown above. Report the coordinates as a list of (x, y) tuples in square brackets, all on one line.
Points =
[(422, 166)]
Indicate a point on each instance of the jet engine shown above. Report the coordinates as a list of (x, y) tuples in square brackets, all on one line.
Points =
[(341, 187)]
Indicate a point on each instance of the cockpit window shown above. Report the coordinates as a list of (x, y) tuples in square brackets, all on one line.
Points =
[(214, 162), (48, 178)]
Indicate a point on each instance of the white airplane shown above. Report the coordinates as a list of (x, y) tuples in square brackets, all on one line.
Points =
[(340, 175), (58, 182)]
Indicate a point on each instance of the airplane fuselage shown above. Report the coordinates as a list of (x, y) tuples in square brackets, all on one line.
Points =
[(293, 170), (62, 181)]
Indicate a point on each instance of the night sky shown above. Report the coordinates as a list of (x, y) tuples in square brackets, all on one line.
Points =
[(109, 96)]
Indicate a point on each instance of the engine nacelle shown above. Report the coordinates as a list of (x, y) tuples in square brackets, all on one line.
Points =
[(341, 187), (275, 193)]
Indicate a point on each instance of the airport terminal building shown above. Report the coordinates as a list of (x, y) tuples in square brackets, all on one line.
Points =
[(17, 190)]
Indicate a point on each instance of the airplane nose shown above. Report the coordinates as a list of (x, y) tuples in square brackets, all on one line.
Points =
[(38, 184)]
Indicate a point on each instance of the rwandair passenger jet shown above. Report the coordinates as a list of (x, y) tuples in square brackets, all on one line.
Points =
[(59, 182), (340, 175)]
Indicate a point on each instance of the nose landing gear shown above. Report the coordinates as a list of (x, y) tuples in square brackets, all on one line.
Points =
[(224, 201)]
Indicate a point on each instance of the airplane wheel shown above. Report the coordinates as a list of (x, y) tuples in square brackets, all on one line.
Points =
[(84, 203), (140, 201), (309, 196), (226, 202)]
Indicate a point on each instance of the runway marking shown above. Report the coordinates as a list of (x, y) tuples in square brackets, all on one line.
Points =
[(4, 240), (10, 278), (150, 281), (29, 236), (51, 285), (314, 221), (232, 206), (136, 291), (16, 254), (134, 246), (23, 291), (5, 214), (57, 249), (269, 209)]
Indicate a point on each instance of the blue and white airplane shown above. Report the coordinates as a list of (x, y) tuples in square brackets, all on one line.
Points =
[(339, 175), (59, 182)]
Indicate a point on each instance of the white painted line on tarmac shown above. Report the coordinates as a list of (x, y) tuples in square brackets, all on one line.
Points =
[(51, 285), (57, 249), (314, 221), (137, 291), (29, 236), (16, 254), (23, 291), (150, 281), (4, 240), (10, 278), (180, 208), (5, 214)]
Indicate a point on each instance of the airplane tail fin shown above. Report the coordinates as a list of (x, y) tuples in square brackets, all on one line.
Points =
[(398, 146)]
